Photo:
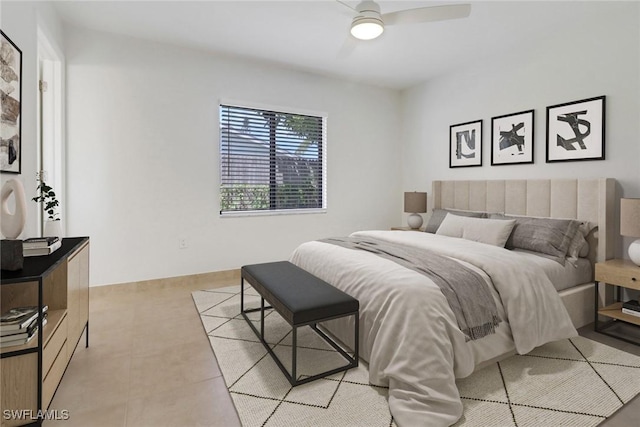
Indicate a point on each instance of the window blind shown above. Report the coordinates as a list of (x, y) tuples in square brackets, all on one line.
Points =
[(270, 160)]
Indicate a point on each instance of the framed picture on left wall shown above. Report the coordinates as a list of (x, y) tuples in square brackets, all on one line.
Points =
[(11, 92), (465, 144)]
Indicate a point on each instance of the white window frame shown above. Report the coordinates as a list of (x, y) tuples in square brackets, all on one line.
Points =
[(286, 110)]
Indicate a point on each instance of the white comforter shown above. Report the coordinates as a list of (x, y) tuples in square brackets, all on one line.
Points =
[(408, 333)]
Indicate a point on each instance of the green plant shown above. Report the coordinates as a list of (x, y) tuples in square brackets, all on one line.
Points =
[(48, 198), (241, 197)]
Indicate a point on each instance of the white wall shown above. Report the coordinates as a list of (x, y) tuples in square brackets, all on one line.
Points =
[(143, 157), (142, 136), (20, 21), (598, 54)]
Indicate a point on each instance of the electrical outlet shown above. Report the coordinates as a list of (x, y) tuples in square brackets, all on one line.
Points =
[(182, 242)]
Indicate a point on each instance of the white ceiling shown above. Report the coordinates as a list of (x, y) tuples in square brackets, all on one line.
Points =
[(314, 35)]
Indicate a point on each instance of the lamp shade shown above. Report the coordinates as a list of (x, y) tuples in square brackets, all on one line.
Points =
[(415, 202), (629, 217)]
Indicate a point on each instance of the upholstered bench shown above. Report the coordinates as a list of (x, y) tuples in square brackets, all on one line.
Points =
[(301, 299)]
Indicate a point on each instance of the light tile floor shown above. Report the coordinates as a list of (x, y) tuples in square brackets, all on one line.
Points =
[(150, 364)]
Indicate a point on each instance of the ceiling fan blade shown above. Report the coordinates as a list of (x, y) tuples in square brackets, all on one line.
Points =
[(351, 9), (427, 14), (347, 48)]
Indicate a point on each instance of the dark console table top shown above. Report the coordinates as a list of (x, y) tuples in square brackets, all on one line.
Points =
[(36, 267)]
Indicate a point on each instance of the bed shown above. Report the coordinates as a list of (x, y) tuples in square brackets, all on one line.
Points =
[(410, 331)]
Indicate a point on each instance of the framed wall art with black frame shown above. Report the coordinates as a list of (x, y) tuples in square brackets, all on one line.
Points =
[(512, 138), (10, 120), (465, 144), (575, 130)]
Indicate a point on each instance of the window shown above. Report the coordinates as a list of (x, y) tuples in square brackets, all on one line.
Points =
[(271, 160)]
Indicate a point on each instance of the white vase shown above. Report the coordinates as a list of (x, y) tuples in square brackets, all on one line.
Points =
[(53, 229), (12, 224)]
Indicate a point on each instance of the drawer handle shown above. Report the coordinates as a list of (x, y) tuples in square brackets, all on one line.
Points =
[(633, 279)]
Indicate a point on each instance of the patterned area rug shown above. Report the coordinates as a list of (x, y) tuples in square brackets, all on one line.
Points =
[(575, 382)]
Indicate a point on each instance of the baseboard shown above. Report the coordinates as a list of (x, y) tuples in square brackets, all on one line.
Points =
[(214, 279)]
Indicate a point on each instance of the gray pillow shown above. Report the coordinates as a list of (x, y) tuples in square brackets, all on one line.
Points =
[(438, 215), (578, 246), (544, 235)]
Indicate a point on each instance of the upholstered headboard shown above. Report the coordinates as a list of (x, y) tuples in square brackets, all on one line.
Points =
[(590, 200)]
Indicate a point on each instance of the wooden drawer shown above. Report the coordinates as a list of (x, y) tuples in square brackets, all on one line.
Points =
[(55, 343), (51, 381), (19, 386), (619, 272)]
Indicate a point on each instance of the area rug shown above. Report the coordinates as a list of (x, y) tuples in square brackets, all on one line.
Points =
[(574, 382)]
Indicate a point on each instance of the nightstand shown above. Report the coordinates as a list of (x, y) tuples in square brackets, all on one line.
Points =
[(408, 229), (620, 273)]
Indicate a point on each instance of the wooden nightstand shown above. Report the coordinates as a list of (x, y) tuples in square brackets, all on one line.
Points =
[(620, 273), (408, 228)]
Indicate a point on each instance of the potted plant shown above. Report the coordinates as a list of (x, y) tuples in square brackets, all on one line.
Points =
[(50, 206)]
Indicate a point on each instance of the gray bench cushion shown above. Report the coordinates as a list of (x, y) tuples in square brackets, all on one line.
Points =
[(296, 294)]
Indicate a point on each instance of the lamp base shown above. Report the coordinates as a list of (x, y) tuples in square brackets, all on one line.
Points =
[(634, 252), (414, 221)]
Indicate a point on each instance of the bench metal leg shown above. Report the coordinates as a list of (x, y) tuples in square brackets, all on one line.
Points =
[(241, 294), (251, 310), (294, 348), (292, 378), (353, 361), (262, 318), (356, 341)]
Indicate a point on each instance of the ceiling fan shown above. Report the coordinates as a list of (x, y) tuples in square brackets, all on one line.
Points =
[(369, 23)]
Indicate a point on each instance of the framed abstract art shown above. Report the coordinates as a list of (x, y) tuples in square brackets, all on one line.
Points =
[(575, 130), (465, 144), (512, 138)]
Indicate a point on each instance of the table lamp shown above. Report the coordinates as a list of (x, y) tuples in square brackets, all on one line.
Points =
[(415, 203), (630, 225)]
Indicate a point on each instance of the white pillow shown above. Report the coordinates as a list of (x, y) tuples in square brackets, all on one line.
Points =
[(490, 231)]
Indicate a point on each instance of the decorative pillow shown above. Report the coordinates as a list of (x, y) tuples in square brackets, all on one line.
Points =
[(586, 228), (578, 246), (490, 231), (545, 235), (438, 215), (584, 252)]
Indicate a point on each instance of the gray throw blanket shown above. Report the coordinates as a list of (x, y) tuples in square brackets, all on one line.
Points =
[(465, 290)]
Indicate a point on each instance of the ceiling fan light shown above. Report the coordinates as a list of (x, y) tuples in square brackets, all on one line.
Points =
[(366, 28)]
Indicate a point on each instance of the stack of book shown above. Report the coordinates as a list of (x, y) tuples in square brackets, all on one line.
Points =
[(37, 246), (631, 307), (19, 325)]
